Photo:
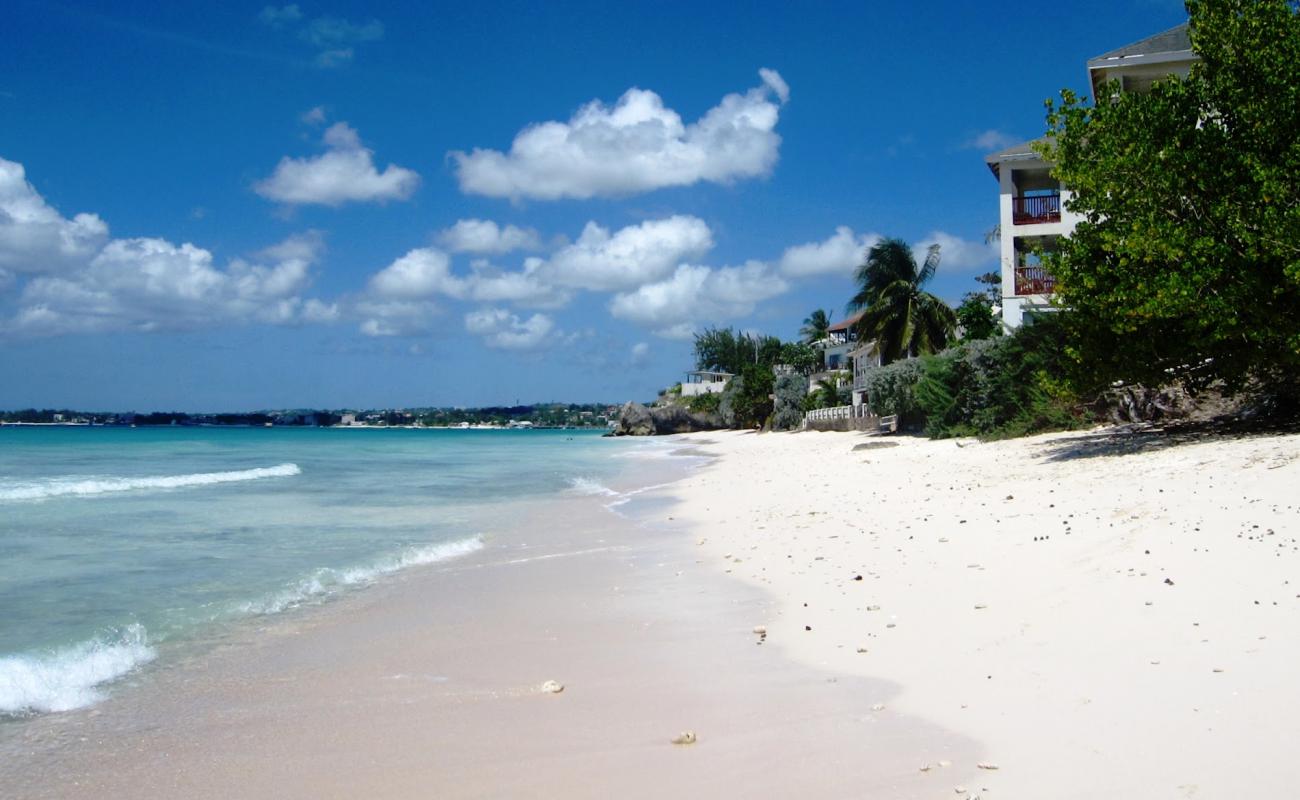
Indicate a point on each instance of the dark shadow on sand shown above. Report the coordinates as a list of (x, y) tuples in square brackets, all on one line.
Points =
[(1130, 439)]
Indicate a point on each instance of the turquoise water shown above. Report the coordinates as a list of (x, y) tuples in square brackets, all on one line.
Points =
[(114, 541)]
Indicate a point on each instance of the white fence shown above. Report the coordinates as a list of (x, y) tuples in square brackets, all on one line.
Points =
[(838, 412)]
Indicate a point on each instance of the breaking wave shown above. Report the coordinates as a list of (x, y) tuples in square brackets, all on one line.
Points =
[(84, 487), (68, 678), (327, 581)]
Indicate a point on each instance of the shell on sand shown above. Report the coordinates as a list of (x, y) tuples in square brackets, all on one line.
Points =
[(986, 765), (685, 737), (552, 687)]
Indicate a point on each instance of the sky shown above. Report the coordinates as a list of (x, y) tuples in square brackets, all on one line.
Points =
[(336, 204)]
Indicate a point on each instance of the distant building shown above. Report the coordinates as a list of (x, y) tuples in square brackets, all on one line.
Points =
[(841, 338), (704, 382), (348, 419), (1033, 211)]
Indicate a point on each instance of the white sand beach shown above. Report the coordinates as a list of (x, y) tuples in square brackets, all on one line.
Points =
[(1069, 616), (1107, 615)]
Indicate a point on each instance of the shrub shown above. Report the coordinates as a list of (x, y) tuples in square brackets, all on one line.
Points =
[(705, 403), (790, 391), (890, 389)]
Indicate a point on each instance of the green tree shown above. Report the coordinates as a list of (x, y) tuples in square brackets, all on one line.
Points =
[(976, 318), (1186, 263), (815, 326), (805, 358), (904, 319), (724, 350)]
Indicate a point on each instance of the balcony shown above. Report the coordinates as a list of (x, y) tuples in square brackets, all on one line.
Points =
[(1034, 280), (1036, 209)]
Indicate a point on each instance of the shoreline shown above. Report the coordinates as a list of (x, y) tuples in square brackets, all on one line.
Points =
[(429, 684), (1108, 615)]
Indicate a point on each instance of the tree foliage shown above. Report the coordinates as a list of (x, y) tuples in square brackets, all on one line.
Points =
[(976, 318), (903, 318), (746, 402), (815, 326), (725, 350), (1186, 263)]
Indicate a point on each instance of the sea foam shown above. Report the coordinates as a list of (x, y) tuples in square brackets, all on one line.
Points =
[(84, 487), (327, 581), (70, 677), (587, 486)]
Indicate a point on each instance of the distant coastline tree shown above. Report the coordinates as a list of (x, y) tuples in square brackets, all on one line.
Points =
[(1186, 262), (898, 314), (815, 327)]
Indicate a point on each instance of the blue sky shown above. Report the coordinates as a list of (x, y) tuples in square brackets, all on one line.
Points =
[(353, 204)]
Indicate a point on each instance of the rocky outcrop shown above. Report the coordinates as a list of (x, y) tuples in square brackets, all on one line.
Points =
[(637, 420), (634, 420), (676, 419)]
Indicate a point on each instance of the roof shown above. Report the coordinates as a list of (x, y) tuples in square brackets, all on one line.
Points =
[(1016, 152), (1175, 40), (709, 372), (846, 323)]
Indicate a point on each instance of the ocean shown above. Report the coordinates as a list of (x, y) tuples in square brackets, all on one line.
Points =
[(122, 546)]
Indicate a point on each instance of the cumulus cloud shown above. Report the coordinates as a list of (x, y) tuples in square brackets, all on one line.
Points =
[(503, 330), (525, 288), (36, 238), (279, 16), (314, 116), (837, 255), (697, 295), (346, 172), (956, 253), (395, 317), (486, 236), (149, 284), (634, 255), (637, 145), (640, 354), (422, 272)]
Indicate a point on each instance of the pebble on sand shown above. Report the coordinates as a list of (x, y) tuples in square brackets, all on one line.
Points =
[(552, 687), (986, 765), (685, 737)]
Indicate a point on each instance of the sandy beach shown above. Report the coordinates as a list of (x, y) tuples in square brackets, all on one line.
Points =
[(1107, 615), (1069, 616)]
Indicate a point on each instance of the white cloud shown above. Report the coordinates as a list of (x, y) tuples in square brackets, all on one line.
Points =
[(420, 273), (991, 140), (503, 330), (524, 288), (36, 238), (957, 254), (486, 236), (637, 254), (314, 116), (697, 295), (346, 172), (395, 317), (837, 255), (148, 284), (637, 145)]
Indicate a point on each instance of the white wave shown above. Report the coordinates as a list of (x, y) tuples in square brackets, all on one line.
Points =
[(327, 581), (69, 678), (589, 487), (80, 486)]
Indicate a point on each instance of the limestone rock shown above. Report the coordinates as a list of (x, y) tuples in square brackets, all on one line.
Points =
[(634, 420), (552, 687), (685, 737)]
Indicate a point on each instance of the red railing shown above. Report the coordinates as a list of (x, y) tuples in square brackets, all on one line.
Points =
[(1036, 209), (1034, 280)]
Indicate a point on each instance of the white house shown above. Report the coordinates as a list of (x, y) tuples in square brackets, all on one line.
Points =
[(841, 338), (704, 382), (1033, 205)]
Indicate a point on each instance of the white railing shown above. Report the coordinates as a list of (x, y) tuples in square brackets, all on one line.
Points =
[(838, 412)]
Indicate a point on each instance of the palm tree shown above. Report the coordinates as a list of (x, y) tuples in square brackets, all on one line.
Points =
[(815, 326), (903, 320)]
